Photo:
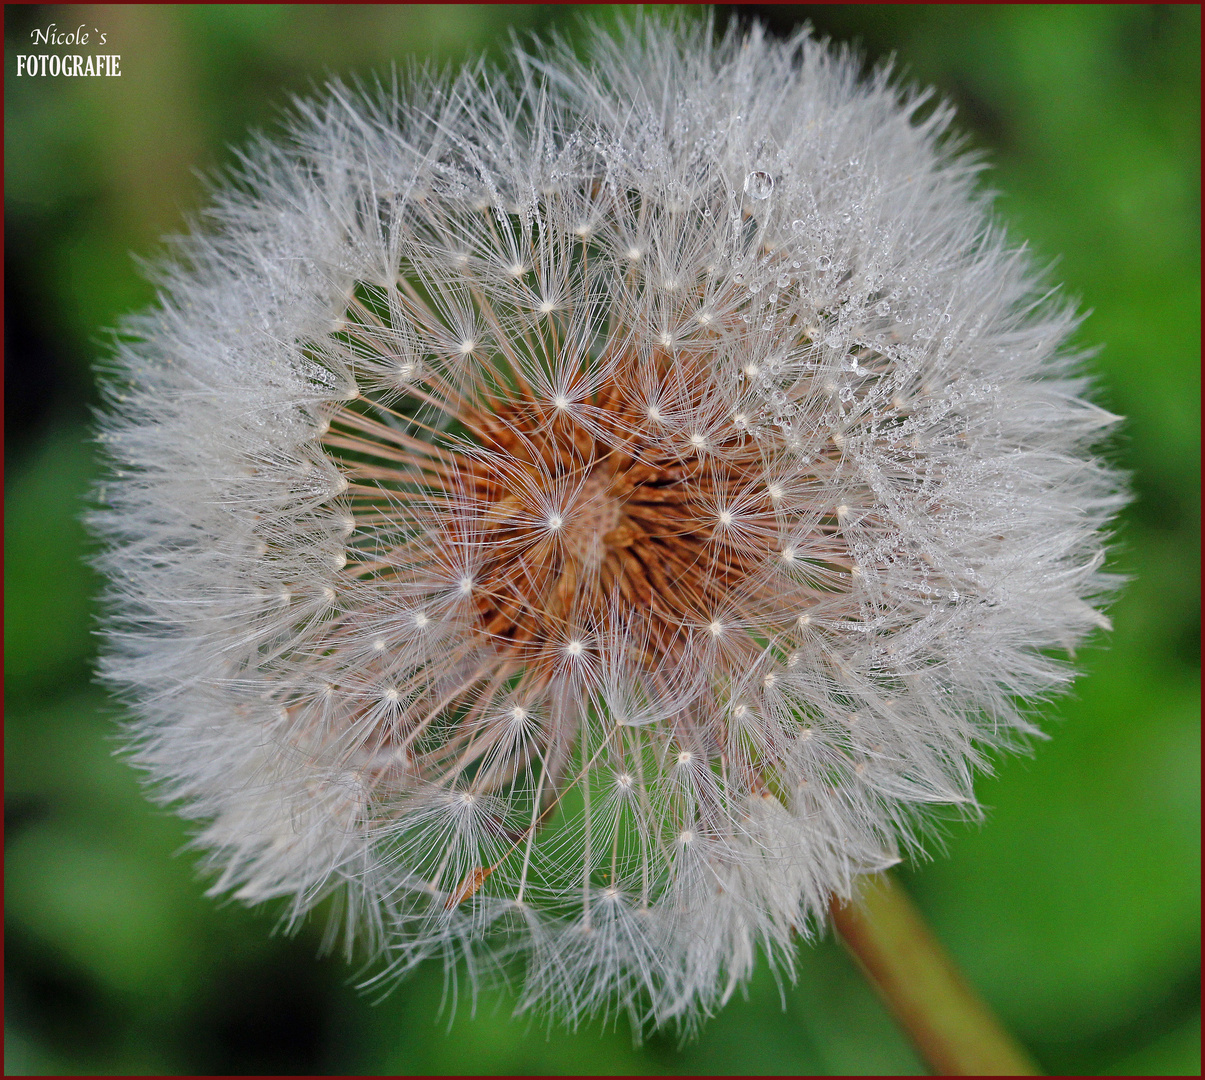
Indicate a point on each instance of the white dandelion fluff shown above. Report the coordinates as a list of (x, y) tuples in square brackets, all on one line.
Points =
[(591, 511)]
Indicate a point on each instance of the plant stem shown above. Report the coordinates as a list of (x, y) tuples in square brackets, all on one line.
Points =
[(952, 1028)]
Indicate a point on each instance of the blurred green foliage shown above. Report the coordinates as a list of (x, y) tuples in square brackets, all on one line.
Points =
[(1074, 909)]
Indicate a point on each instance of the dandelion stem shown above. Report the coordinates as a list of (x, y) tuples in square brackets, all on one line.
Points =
[(954, 1030)]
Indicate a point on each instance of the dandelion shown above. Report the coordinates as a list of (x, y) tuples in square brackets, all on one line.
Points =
[(592, 512)]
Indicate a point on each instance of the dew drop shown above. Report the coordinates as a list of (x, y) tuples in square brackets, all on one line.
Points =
[(759, 185)]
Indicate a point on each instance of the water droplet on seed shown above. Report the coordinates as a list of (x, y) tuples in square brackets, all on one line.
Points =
[(759, 185)]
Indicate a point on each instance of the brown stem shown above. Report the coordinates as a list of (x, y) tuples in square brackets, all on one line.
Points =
[(952, 1028)]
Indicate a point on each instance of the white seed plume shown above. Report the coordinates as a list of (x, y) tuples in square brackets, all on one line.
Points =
[(620, 629)]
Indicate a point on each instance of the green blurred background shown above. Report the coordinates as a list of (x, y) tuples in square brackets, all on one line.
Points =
[(1074, 908)]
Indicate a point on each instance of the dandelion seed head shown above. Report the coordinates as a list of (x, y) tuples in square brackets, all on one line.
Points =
[(735, 495)]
